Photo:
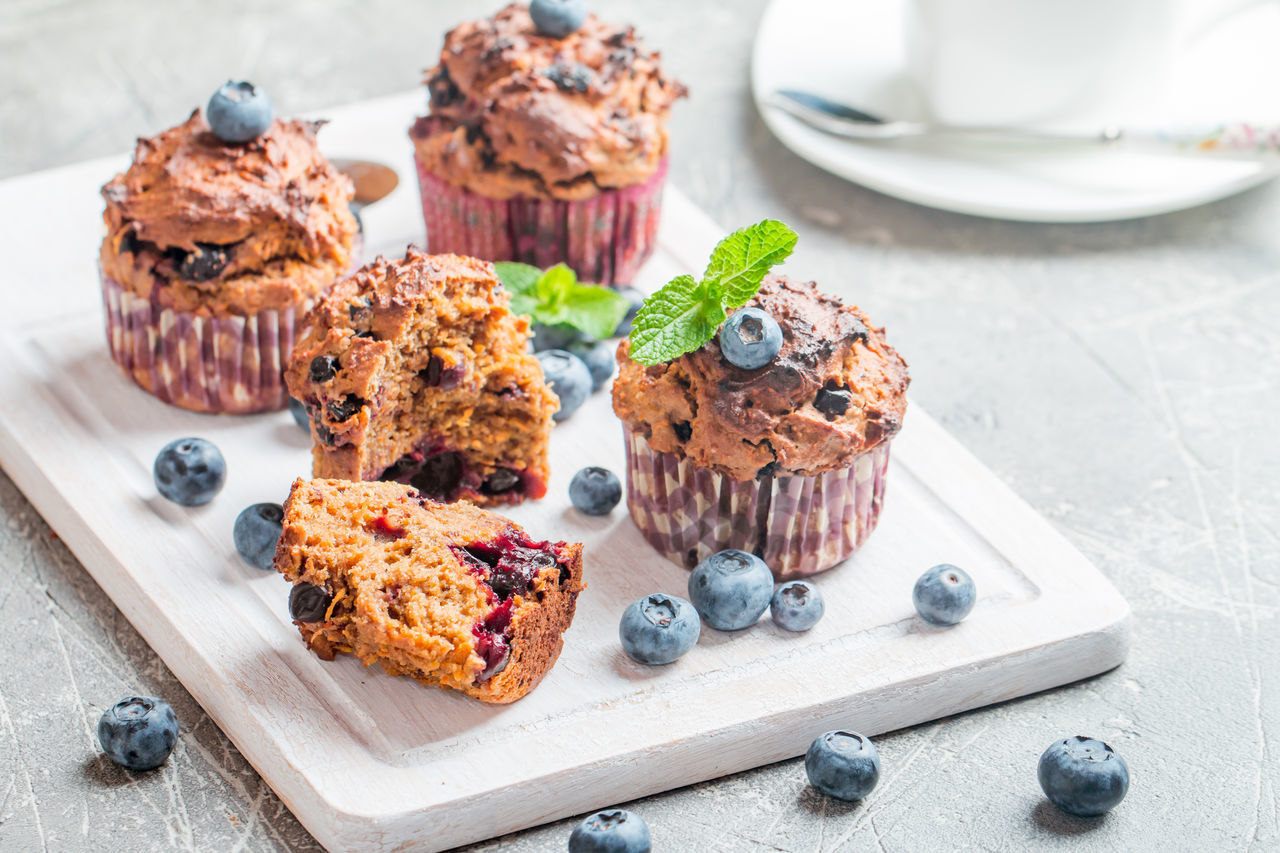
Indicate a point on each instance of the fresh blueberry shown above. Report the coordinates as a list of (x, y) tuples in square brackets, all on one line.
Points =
[(568, 378), (555, 336), (842, 764), (611, 831), (256, 532), (796, 606), (190, 471), (750, 339), (636, 298), (558, 18), (238, 112), (595, 491), (138, 732), (1083, 776), (659, 628), (309, 603), (301, 416), (599, 359), (944, 595), (731, 589)]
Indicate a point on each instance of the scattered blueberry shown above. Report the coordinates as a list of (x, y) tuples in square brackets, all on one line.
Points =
[(256, 532), (842, 764), (659, 628), (750, 339), (568, 378), (322, 368), (558, 18), (636, 298), (138, 732), (190, 471), (731, 589), (555, 336), (301, 416), (239, 112), (599, 359), (308, 602), (796, 606), (611, 831), (944, 595), (205, 263), (1083, 776), (595, 491)]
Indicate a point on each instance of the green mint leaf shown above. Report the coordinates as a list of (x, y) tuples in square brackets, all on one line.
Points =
[(594, 310), (554, 284), (679, 318), (742, 260), (519, 280)]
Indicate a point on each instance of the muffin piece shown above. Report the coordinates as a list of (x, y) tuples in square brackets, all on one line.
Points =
[(214, 252), (786, 461), (449, 594), (416, 371), (545, 150)]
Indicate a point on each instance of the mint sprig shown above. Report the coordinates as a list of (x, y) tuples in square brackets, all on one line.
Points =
[(685, 313), (557, 297)]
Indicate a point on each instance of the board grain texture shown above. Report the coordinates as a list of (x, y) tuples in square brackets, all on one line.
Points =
[(365, 760)]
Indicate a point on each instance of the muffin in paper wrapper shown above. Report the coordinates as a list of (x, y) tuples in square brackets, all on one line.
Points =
[(604, 239), (799, 525)]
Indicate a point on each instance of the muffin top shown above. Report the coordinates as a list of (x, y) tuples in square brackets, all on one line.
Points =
[(232, 227), (514, 112), (835, 390)]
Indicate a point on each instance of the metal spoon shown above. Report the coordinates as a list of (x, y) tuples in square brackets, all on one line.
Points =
[(1238, 140), (373, 181)]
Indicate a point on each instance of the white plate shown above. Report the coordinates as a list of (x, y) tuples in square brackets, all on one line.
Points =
[(852, 51), (371, 762)]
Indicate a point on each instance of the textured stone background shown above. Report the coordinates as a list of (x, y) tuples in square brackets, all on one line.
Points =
[(1123, 378)]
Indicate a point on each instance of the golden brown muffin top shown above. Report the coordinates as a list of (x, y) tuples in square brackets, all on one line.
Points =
[(514, 112), (836, 389)]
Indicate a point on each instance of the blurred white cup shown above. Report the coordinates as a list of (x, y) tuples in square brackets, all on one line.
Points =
[(1013, 62)]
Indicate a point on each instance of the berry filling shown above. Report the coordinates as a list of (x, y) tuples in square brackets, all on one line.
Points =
[(446, 475), (382, 527), (493, 643)]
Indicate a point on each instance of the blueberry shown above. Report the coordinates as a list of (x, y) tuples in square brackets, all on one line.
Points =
[(659, 628), (558, 18), (256, 532), (796, 606), (322, 368), (599, 359), (844, 765), (568, 378), (205, 263), (238, 112), (595, 491), (636, 298), (555, 336), (301, 416), (611, 831), (944, 595), (1083, 776), (138, 732), (309, 603), (190, 471), (731, 589), (750, 339)]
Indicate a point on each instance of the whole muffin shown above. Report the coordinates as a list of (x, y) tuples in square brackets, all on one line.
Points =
[(214, 252), (786, 461), (543, 149)]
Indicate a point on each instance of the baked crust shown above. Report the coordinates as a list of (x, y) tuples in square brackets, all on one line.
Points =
[(405, 594)]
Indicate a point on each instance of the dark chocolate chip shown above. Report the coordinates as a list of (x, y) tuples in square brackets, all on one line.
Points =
[(206, 262), (682, 430), (341, 410), (323, 368)]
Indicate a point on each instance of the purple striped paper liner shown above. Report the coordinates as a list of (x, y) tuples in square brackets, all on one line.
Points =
[(604, 239), (798, 525)]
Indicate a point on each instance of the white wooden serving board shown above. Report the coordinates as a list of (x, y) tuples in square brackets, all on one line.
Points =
[(367, 761)]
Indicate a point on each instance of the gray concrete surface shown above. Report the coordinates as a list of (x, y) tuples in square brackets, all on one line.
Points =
[(1123, 378)]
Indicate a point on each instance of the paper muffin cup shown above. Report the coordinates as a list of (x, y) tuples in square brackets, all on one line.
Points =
[(798, 525), (604, 239)]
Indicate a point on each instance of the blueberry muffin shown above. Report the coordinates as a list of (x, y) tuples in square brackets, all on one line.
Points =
[(449, 594), (545, 145), (785, 460), (214, 252), (416, 370)]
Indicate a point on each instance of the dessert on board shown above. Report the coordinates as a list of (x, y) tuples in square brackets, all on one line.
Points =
[(220, 236), (546, 142)]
